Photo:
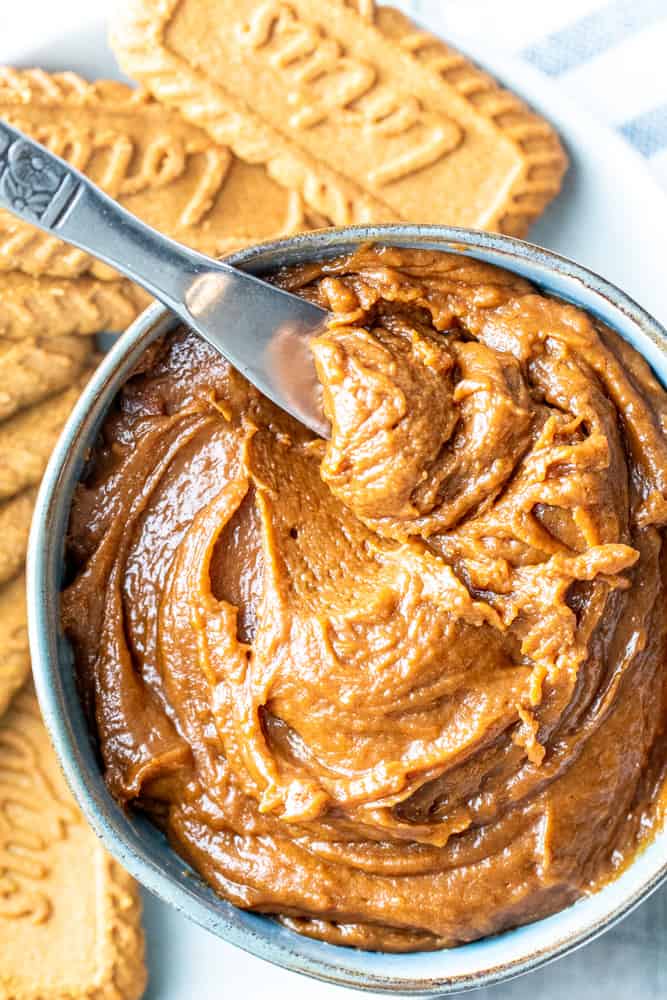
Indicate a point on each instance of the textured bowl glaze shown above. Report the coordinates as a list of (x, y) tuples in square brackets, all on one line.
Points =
[(132, 839)]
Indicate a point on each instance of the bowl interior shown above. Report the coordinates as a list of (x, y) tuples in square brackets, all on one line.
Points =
[(137, 844)]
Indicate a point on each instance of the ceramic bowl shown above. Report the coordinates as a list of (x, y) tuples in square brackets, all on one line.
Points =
[(134, 841)]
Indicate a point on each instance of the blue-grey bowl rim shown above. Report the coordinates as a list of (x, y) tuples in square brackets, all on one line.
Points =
[(62, 711)]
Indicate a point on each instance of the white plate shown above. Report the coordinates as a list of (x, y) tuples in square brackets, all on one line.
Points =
[(612, 216)]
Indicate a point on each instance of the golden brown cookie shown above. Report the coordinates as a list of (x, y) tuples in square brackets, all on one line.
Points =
[(69, 915), (15, 518), (33, 368), (48, 307), (27, 440), (160, 167), (368, 118), (14, 655)]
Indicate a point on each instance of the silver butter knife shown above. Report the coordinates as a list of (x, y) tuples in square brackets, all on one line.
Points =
[(263, 331)]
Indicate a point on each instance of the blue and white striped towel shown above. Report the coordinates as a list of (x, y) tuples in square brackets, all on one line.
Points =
[(610, 55)]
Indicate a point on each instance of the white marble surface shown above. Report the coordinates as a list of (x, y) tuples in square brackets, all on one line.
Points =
[(630, 961)]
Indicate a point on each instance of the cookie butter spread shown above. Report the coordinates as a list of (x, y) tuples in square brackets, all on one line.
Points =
[(408, 687)]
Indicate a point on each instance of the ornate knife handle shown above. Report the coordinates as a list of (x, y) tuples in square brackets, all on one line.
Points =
[(42, 189), (36, 187)]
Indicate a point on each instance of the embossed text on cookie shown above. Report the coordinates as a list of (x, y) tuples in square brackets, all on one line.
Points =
[(368, 118), (326, 83)]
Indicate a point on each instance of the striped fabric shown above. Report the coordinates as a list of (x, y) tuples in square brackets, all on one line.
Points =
[(610, 55)]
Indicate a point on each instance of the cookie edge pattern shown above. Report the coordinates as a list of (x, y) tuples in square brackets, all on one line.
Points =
[(137, 38)]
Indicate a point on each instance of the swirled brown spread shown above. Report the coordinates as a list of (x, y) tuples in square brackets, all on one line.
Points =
[(408, 687)]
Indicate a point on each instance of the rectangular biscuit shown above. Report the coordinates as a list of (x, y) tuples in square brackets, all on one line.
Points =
[(27, 440), (161, 168), (48, 307), (69, 915), (32, 369), (369, 118)]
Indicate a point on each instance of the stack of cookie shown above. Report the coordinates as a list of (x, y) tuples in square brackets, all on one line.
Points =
[(290, 118)]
